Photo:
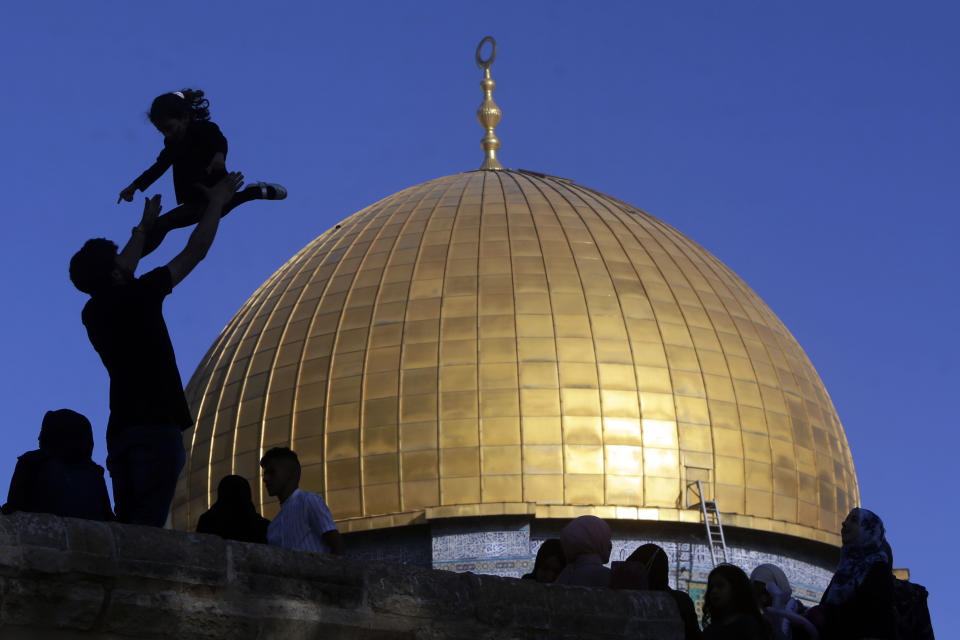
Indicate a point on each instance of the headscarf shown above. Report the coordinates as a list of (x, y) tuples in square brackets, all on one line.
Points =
[(66, 435), (858, 557), (586, 536), (550, 548), (767, 573), (233, 516), (654, 558), (234, 495)]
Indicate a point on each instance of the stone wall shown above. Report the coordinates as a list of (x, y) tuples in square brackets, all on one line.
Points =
[(62, 578)]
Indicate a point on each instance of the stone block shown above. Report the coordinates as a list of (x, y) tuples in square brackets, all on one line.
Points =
[(42, 602), (186, 557), (40, 530), (89, 536)]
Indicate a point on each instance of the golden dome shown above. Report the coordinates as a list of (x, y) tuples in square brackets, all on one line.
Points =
[(505, 342)]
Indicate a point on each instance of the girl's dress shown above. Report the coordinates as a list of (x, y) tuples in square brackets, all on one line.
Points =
[(190, 156)]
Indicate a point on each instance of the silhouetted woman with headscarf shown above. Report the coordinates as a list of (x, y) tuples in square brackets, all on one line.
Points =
[(586, 544), (550, 562), (859, 601), (233, 515), (60, 477), (657, 568)]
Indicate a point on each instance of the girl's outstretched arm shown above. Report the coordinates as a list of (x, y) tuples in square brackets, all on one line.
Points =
[(148, 177)]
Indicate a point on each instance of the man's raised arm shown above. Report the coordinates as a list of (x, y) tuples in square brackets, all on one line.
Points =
[(203, 234), (133, 250)]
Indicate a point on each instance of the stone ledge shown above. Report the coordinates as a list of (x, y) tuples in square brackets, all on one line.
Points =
[(62, 578)]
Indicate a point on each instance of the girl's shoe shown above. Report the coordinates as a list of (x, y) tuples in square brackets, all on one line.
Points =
[(269, 191)]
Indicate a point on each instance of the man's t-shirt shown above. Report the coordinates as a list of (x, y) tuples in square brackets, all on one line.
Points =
[(125, 325)]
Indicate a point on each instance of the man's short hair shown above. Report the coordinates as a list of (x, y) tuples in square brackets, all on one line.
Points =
[(281, 454), (91, 266)]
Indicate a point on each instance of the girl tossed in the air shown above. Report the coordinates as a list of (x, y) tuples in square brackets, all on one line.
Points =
[(197, 151)]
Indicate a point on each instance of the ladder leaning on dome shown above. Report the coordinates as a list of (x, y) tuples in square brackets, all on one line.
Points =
[(711, 519)]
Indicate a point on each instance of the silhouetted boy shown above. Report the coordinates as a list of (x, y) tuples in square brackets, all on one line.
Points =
[(124, 321), (60, 477), (233, 516), (304, 521)]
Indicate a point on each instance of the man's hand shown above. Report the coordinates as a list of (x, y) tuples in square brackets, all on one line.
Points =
[(127, 194), (224, 189), (151, 209)]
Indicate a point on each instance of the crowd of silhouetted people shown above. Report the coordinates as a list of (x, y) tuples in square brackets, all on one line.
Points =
[(864, 600)]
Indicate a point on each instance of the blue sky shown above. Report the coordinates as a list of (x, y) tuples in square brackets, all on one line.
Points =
[(811, 146)]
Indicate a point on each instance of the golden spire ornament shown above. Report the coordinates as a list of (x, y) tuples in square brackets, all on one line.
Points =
[(489, 113)]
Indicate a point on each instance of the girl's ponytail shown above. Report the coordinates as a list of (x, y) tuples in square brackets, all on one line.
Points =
[(187, 103), (199, 105)]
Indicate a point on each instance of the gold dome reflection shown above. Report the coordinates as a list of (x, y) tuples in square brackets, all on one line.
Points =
[(504, 342)]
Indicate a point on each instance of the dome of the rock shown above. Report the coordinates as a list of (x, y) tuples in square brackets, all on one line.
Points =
[(506, 342)]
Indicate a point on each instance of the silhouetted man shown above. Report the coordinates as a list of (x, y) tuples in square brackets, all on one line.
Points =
[(304, 521), (124, 321)]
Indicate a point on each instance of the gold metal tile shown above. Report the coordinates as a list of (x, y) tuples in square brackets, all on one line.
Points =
[(664, 492), (341, 417), (420, 494), (623, 460), (729, 471), (582, 489), (619, 404), (381, 469), (497, 403), (459, 433), (664, 434), (502, 488), (418, 381), (418, 408), (613, 351), (460, 490), (501, 375), (534, 301), (756, 447), (543, 489), (419, 465), (381, 498), (536, 350), (343, 444), (621, 431), (578, 374), (657, 406), (539, 375), (419, 355), (624, 490), (500, 460), (572, 326), (460, 306), (539, 402), (453, 328), (580, 402), (458, 404), (498, 350), (579, 459), (541, 430), (575, 349), (458, 351), (499, 431)]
